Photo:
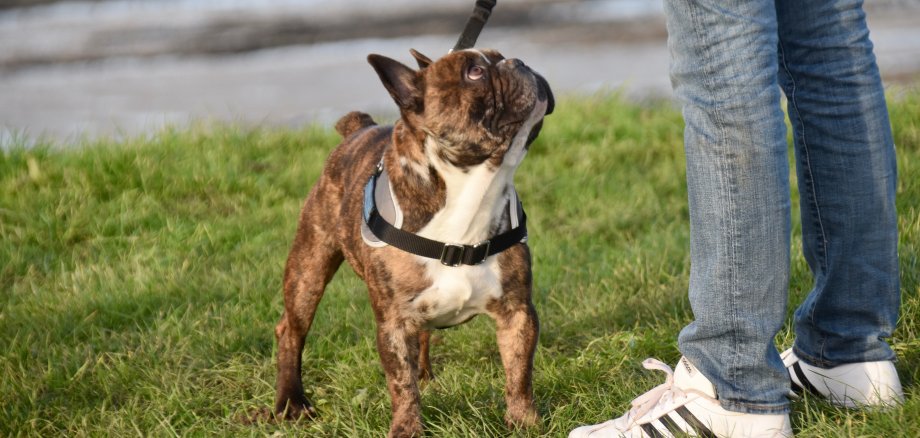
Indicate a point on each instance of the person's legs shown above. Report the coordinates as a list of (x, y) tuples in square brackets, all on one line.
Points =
[(847, 181), (724, 71)]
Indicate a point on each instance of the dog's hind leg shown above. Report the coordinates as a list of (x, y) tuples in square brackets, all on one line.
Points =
[(424, 361), (312, 262)]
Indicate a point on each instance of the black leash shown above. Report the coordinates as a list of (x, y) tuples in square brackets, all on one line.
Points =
[(474, 26)]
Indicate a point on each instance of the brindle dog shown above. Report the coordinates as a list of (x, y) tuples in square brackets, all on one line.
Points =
[(466, 123)]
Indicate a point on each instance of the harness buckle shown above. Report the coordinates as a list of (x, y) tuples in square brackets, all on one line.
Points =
[(455, 254), (452, 254)]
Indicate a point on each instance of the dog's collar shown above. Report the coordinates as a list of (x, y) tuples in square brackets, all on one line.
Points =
[(378, 231)]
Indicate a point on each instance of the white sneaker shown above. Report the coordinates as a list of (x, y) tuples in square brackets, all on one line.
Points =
[(864, 384), (685, 405)]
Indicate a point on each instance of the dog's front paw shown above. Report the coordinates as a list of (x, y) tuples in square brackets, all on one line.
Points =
[(425, 375), (521, 417), (295, 411), (411, 428)]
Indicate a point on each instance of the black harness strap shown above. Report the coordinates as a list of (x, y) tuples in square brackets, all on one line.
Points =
[(474, 25), (450, 254)]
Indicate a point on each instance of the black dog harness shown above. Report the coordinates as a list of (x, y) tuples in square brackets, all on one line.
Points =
[(377, 231)]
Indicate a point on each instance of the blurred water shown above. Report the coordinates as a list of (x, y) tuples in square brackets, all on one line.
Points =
[(593, 9), (122, 67)]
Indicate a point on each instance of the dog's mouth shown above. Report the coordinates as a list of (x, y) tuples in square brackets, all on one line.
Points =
[(535, 130), (544, 104), (544, 93), (526, 91)]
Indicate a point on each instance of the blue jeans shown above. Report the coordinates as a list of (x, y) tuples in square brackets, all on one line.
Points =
[(730, 60)]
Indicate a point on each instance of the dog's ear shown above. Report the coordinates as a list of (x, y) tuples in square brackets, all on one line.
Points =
[(422, 60), (400, 81)]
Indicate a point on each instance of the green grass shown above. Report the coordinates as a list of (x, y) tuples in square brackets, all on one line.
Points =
[(140, 284)]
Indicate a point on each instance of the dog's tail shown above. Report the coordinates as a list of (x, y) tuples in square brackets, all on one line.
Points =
[(353, 122)]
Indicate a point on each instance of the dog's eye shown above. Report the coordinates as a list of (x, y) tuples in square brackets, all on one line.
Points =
[(475, 73)]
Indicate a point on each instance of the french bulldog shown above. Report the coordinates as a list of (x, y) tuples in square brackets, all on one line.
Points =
[(447, 165)]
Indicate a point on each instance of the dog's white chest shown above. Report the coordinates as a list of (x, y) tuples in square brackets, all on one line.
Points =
[(475, 200), (458, 293)]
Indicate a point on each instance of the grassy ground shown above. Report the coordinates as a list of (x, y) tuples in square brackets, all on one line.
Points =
[(140, 283)]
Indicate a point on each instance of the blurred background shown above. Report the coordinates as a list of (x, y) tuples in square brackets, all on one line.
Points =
[(81, 69)]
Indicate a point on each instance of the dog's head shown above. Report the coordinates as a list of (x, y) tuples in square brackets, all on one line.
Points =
[(471, 106)]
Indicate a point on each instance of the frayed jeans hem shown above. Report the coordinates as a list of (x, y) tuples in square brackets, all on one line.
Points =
[(824, 364), (754, 408)]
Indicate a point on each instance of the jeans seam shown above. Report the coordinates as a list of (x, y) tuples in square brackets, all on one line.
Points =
[(710, 74), (806, 164)]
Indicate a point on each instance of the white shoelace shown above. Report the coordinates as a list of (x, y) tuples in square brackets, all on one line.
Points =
[(664, 393)]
